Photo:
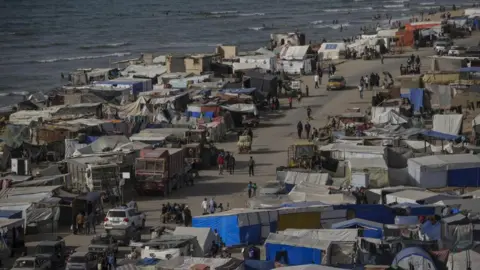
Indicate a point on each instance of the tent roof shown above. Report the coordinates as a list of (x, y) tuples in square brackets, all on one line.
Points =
[(357, 221), (281, 239)]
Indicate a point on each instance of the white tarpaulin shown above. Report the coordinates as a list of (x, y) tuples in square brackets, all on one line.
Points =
[(204, 236), (447, 123), (390, 115), (244, 108), (343, 235)]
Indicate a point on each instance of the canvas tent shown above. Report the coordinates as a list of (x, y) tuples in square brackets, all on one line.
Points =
[(464, 259), (331, 51), (370, 228), (448, 123), (415, 256), (204, 236), (438, 171), (240, 226), (310, 267), (295, 250)]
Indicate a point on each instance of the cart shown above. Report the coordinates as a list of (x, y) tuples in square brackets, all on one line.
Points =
[(244, 144)]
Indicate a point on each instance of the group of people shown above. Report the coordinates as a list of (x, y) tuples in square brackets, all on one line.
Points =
[(177, 213), (85, 223), (412, 67), (211, 206), (368, 82), (227, 159), (107, 261), (251, 189)]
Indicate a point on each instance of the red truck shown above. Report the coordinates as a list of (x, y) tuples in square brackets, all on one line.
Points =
[(160, 170)]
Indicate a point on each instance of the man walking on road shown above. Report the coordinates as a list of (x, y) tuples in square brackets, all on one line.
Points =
[(307, 129), (231, 165), (249, 189), (251, 166), (299, 129), (220, 162), (316, 78)]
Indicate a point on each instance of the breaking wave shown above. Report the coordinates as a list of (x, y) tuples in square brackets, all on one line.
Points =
[(333, 26), (224, 12), (339, 10), (53, 60), (104, 46), (187, 45), (316, 22), (37, 46), (427, 3), (251, 14), (394, 6), (258, 28)]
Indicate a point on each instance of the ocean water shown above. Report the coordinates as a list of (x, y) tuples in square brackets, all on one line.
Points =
[(41, 39)]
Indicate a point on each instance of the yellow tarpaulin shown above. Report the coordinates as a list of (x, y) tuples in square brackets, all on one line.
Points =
[(441, 78)]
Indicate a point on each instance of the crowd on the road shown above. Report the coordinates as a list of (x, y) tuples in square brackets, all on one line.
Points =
[(412, 66), (176, 213)]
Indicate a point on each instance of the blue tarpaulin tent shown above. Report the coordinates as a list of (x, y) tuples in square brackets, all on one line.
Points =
[(296, 250), (240, 226), (416, 98), (11, 214), (372, 212), (440, 135), (370, 229), (418, 209), (470, 69)]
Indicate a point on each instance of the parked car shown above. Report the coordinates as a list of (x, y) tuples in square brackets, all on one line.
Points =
[(53, 251), (82, 261), (457, 51), (124, 216), (441, 47), (124, 234), (336, 82), (32, 263), (447, 40), (103, 244), (273, 188)]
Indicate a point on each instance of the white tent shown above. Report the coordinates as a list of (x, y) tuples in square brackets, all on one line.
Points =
[(387, 33), (331, 51), (205, 236), (387, 115), (447, 123), (462, 260)]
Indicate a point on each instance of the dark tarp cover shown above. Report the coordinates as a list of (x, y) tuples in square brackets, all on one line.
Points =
[(470, 69), (371, 212), (259, 265)]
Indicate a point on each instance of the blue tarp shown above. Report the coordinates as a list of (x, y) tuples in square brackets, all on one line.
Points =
[(440, 135), (370, 229), (371, 212), (10, 214), (416, 98), (465, 177), (91, 139), (245, 91), (417, 209), (470, 69), (258, 265), (296, 255), (238, 228)]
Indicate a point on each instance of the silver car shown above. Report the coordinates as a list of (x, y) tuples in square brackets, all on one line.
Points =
[(31, 263), (82, 261)]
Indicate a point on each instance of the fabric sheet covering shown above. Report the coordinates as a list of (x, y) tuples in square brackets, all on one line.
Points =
[(447, 123), (441, 96), (416, 98), (204, 236), (390, 115)]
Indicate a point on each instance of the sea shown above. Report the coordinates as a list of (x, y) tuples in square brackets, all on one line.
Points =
[(40, 40)]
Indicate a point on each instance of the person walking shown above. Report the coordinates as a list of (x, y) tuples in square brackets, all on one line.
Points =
[(251, 167), (91, 223), (307, 129), (360, 89), (381, 58), (254, 187), (316, 78), (309, 113), (212, 205), (299, 129), (249, 189), (231, 165), (111, 261), (204, 206), (320, 75), (290, 101), (220, 162)]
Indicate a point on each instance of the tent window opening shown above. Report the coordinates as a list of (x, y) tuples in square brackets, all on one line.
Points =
[(281, 257)]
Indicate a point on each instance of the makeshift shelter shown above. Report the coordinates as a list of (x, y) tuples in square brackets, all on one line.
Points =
[(293, 60), (414, 256), (455, 232), (296, 177), (387, 115), (448, 123), (204, 236), (372, 212), (331, 51), (416, 97), (369, 228), (307, 217), (250, 62), (293, 250), (240, 226), (265, 83), (464, 259), (416, 196), (258, 265), (445, 170), (373, 172), (343, 151), (310, 267)]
